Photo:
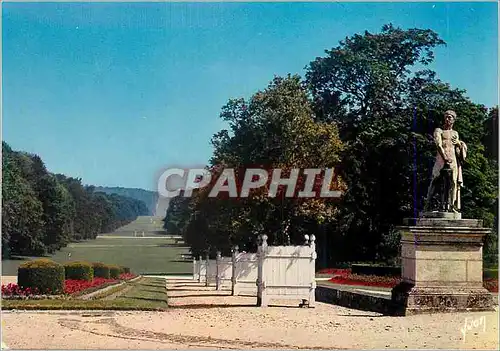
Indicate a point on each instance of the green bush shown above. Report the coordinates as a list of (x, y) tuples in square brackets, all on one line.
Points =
[(79, 271), (44, 274), (125, 269), (101, 270), (490, 273), (114, 271)]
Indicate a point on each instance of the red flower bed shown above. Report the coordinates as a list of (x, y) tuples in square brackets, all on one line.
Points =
[(72, 286), (491, 285), (127, 276), (344, 276), (366, 280), (15, 290), (335, 271)]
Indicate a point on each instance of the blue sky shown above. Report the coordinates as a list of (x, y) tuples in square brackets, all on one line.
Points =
[(113, 93)]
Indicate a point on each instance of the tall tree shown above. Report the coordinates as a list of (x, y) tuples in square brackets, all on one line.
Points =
[(387, 108), (58, 212), (22, 223), (274, 129)]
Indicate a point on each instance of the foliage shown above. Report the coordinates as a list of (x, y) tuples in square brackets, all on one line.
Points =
[(22, 212), (145, 198), (42, 212), (79, 271), (43, 274), (368, 108), (274, 129), (125, 270), (177, 215), (101, 270), (114, 271), (387, 109)]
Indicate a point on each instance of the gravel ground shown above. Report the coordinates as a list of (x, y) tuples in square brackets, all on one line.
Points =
[(202, 318)]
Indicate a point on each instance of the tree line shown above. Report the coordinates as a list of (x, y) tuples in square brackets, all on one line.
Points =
[(367, 108), (43, 212)]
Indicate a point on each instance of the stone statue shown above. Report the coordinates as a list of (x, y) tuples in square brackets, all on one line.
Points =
[(451, 153)]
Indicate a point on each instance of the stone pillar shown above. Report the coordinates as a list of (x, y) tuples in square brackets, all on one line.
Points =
[(442, 265)]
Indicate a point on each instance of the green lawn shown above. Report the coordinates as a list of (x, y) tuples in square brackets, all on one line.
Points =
[(145, 294), (152, 226), (149, 255)]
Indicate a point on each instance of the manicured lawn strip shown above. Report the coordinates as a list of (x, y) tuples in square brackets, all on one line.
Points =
[(119, 287), (148, 294), (146, 289), (141, 255)]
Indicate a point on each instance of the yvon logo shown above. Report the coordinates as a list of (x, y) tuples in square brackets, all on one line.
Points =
[(475, 324)]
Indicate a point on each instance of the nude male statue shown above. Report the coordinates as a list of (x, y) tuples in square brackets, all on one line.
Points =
[(451, 151)]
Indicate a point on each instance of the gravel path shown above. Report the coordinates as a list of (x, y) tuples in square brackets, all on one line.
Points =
[(209, 323)]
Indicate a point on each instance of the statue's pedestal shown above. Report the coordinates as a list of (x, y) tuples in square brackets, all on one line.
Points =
[(442, 265)]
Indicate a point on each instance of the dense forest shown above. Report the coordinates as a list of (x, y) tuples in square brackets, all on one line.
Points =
[(43, 212), (150, 198), (367, 108)]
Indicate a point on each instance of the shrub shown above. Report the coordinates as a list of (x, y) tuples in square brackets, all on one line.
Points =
[(100, 270), (114, 271), (125, 269), (490, 274), (79, 271), (43, 274)]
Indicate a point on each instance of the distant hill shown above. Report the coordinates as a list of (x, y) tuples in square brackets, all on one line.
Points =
[(150, 198)]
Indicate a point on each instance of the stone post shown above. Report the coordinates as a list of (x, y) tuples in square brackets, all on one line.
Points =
[(200, 272), (262, 300), (233, 269), (312, 292), (442, 265), (195, 269), (217, 271), (207, 260)]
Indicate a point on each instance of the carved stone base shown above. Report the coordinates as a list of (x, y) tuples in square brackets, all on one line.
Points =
[(442, 266), (409, 299), (441, 215)]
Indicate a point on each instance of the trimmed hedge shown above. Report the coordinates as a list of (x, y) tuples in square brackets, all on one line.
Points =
[(125, 269), (44, 274), (490, 273), (101, 270), (114, 271), (79, 271)]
